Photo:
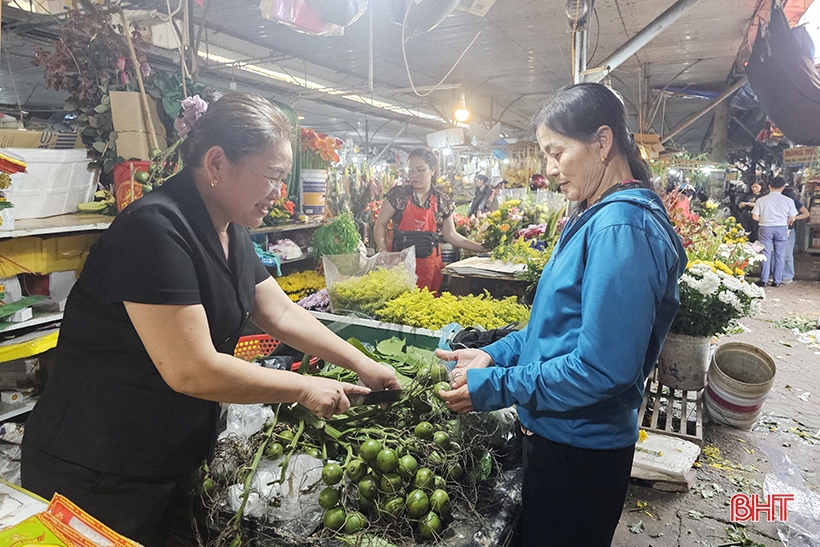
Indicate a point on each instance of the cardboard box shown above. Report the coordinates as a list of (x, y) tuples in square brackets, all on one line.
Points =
[(14, 138), (133, 140), (17, 374), (43, 255)]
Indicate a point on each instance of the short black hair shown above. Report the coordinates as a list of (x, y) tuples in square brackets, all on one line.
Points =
[(777, 182)]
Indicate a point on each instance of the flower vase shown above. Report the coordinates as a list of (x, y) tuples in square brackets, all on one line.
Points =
[(314, 188), (683, 361)]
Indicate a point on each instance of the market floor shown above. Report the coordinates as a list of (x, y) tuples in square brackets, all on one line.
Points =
[(789, 426)]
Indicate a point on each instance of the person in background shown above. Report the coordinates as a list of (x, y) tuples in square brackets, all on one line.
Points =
[(421, 215), (146, 345), (802, 213), (576, 372), (775, 213), (746, 204), (482, 193)]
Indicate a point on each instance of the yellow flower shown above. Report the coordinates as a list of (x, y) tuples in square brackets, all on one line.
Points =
[(495, 215), (504, 227), (739, 272), (642, 436), (723, 267), (731, 219)]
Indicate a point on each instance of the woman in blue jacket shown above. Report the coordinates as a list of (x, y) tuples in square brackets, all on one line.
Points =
[(600, 315)]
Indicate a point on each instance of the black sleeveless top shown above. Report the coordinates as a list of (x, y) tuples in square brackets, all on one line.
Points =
[(105, 406)]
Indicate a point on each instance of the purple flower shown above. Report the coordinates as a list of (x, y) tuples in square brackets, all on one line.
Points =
[(192, 109), (145, 68)]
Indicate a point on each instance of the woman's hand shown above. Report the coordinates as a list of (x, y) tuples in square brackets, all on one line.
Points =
[(377, 376), (325, 397), (458, 400), (464, 358)]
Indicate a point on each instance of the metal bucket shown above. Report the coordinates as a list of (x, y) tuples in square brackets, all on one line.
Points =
[(683, 361), (740, 379), (449, 254), (314, 187)]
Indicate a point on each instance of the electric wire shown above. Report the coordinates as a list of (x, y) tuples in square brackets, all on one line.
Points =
[(407, 65)]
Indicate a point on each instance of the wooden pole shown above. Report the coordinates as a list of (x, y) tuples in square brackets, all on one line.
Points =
[(143, 95)]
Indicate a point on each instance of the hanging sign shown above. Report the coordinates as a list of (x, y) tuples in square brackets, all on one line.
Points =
[(799, 155)]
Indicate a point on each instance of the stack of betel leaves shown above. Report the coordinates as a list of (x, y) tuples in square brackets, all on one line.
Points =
[(398, 474)]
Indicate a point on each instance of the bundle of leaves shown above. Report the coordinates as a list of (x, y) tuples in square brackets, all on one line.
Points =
[(340, 236)]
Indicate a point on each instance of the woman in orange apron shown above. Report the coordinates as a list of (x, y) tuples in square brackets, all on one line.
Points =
[(422, 215)]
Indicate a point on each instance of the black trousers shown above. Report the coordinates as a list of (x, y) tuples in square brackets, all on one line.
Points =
[(142, 509), (572, 497)]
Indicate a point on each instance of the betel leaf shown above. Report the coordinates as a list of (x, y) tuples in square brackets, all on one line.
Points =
[(392, 347), (359, 346), (108, 165), (99, 146), (484, 467), (101, 108)]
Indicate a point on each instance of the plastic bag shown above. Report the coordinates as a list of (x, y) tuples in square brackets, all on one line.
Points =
[(802, 527), (297, 15), (293, 505), (338, 12), (361, 285), (245, 420)]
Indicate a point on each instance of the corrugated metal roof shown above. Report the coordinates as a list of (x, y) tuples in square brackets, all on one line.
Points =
[(522, 54)]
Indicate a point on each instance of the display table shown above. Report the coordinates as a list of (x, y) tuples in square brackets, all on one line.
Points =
[(477, 274)]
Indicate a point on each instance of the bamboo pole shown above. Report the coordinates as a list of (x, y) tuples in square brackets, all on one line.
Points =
[(143, 95)]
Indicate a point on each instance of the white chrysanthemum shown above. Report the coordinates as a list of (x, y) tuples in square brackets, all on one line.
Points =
[(732, 283), (724, 250), (709, 284), (699, 269), (728, 297), (753, 291), (688, 280), (756, 307)]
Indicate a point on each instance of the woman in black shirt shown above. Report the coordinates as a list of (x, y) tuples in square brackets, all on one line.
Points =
[(146, 342), (746, 204)]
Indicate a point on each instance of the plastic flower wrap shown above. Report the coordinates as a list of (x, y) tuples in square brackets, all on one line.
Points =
[(711, 297), (192, 109)]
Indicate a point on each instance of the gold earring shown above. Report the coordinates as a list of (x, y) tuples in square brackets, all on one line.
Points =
[(214, 182), (603, 160)]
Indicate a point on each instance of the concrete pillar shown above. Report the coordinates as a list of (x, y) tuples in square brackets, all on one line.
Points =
[(720, 130)]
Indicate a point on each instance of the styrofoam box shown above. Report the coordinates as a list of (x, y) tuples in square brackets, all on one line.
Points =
[(55, 182)]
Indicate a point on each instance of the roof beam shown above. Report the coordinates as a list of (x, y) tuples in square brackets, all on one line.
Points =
[(634, 44), (706, 109)]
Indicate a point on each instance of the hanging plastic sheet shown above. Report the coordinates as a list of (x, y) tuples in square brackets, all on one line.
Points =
[(320, 17), (785, 81)]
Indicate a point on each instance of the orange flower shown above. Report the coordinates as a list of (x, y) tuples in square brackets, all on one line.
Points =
[(504, 227)]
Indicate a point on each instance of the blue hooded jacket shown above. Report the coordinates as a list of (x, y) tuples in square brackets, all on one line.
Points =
[(603, 307)]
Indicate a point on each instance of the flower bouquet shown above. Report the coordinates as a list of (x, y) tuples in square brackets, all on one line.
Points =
[(319, 150), (711, 297), (282, 210)]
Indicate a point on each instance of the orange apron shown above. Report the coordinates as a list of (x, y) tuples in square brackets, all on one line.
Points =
[(418, 219)]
